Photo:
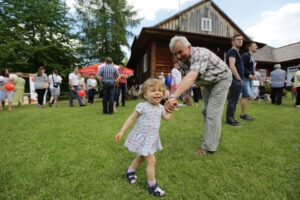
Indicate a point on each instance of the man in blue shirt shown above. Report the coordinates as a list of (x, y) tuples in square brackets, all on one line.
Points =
[(108, 73), (277, 79), (249, 64), (234, 61)]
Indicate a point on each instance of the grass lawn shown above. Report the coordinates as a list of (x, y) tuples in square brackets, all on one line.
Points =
[(70, 153)]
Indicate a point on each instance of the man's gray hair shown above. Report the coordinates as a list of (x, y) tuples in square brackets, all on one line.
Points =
[(277, 66), (180, 39)]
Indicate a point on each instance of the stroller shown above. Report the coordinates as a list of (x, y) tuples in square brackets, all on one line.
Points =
[(263, 96)]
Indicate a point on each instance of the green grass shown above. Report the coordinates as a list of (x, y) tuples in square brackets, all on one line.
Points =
[(70, 153)]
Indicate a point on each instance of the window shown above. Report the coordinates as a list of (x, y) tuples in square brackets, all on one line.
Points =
[(206, 24), (290, 74), (145, 63), (263, 73)]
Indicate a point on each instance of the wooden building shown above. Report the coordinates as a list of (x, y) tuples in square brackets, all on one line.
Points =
[(288, 56), (204, 24)]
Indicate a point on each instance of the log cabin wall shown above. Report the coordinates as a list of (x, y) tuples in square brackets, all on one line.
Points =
[(192, 19), (163, 59)]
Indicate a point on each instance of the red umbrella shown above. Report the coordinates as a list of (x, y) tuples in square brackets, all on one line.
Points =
[(92, 69), (125, 70)]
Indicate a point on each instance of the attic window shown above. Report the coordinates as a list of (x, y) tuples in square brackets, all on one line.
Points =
[(206, 24)]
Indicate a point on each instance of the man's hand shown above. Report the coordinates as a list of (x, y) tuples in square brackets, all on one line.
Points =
[(170, 105), (251, 77)]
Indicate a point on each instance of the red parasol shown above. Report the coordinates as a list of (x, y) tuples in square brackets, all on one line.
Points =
[(92, 69), (125, 70)]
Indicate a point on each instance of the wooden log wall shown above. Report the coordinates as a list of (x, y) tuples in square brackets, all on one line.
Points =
[(190, 21)]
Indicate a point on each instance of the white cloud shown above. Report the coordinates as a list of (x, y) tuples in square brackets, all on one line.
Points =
[(148, 9), (70, 3), (278, 28)]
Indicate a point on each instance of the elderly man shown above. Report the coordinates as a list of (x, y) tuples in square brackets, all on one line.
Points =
[(277, 78), (215, 78)]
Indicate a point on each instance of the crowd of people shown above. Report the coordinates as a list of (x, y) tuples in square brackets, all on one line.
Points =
[(114, 85)]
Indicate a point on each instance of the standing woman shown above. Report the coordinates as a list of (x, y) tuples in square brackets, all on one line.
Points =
[(297, 86), (82, 86), (41, 85), (19, 89), (54, 85), (4, 79)]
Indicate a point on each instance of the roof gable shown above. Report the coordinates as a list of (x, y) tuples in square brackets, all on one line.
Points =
[(190, 20)]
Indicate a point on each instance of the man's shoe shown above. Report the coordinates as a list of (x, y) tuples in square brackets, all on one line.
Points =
[(246, 117), (82, 105), (235, 124)]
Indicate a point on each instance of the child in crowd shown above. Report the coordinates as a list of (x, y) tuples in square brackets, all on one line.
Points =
[(4, 79), (144, 138), (91, 86)]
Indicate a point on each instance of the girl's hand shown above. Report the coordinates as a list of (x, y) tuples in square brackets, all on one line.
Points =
[(119, 136)]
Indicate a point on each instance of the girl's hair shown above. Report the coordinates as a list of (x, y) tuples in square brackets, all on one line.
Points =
[(39, 73), (3, 72), (152, 83), (55, 71)]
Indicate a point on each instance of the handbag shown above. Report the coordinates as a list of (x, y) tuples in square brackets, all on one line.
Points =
[(55, 85), (45, 85), (255, 83)]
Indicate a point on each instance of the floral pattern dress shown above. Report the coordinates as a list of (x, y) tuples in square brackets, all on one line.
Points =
[(144, 137)]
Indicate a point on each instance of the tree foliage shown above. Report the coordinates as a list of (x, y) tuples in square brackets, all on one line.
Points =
[(35, 32), (104, 27)]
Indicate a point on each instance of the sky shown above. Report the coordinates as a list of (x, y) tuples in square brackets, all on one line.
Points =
[(273, 22)]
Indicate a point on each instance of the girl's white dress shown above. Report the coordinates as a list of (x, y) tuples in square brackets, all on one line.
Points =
[(144, 137)]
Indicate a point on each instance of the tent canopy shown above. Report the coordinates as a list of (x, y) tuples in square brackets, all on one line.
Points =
[(93, 69)]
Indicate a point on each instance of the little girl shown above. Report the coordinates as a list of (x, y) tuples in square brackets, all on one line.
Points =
[(144, 138)]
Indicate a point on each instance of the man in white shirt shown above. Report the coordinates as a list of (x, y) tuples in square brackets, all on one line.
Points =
[(74, 87)]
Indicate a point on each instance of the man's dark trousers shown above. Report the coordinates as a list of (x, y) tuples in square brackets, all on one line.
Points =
[(108, 99), (233, 98), (122, 90), (276, 95)]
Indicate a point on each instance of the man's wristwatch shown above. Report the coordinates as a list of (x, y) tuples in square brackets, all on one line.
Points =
[(172, 96)]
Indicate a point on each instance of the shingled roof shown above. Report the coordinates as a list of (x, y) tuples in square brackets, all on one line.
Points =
[(281, 54)]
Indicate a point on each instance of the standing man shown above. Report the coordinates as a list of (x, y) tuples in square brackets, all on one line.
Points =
[(297, 86), (215, 77), (122, 84), (277, 79), (249, 65), (74, 78), (108, 73), (235, 64)]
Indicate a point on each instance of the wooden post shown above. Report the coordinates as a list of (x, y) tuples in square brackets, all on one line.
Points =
[(153, 59)]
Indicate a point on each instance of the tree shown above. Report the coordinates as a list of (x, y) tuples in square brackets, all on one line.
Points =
[(104, 27), (35, 32)]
